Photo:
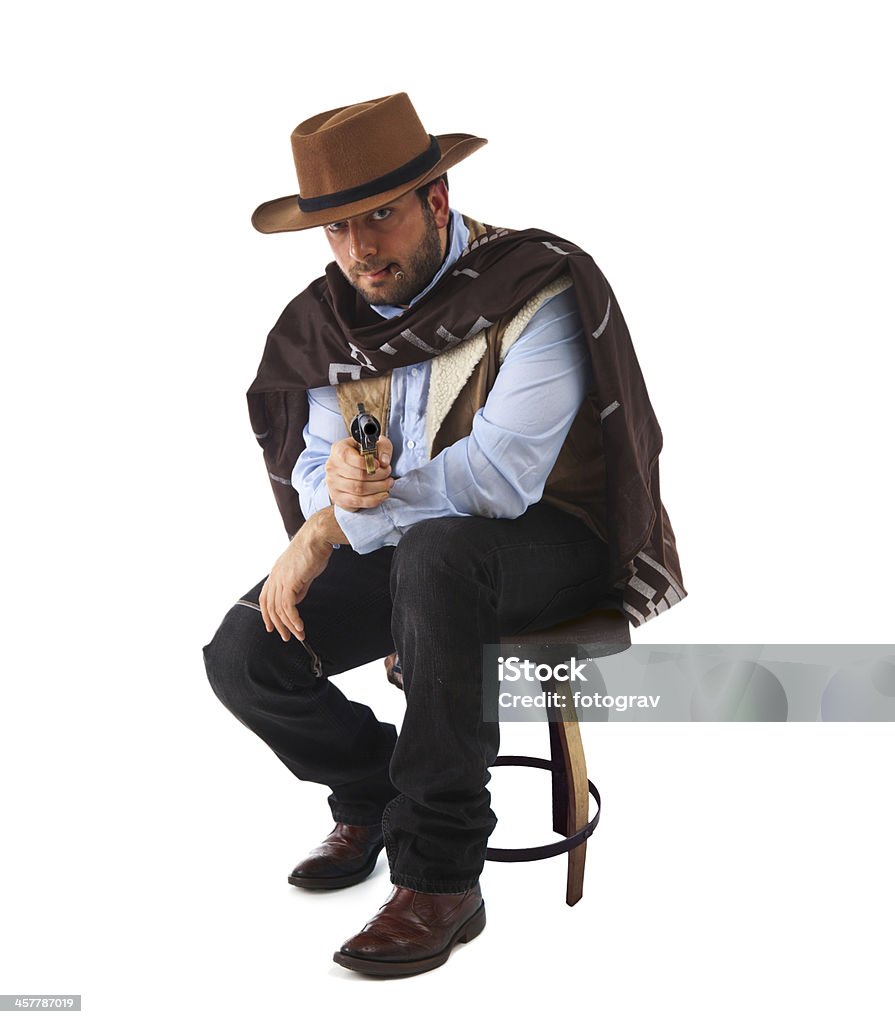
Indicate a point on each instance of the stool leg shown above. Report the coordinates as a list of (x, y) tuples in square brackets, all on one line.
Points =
[(559, 774), (571, 750)]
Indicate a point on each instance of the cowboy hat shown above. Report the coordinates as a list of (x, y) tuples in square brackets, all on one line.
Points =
[(355, 159)]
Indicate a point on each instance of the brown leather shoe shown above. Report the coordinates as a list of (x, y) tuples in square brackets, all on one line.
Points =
[(414, 932), (347, 856)]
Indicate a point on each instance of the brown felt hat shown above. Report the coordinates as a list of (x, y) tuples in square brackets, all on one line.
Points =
[(354, 159)]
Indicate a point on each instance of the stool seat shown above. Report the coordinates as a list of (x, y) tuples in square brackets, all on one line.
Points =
[(599, 633), (602, 627)]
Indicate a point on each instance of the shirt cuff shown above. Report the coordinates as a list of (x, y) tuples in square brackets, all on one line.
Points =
[(367, 530), (320, 497)]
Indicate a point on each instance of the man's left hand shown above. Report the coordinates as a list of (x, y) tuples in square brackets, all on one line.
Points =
[(290, 579)]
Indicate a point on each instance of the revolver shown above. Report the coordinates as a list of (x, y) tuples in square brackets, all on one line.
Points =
[(366, 431)]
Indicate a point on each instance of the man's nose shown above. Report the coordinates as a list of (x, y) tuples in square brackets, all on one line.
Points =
[(360, 243)]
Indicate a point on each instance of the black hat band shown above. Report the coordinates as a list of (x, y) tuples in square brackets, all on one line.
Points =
[(400, 176)]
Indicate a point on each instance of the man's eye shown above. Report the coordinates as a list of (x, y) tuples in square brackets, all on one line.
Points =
[(381, 214), (336, 225)]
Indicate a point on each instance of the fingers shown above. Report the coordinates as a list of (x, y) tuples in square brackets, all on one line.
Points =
[(350, 493), (384, 450), (354, 501), (272, 621), (289, 613), (347, 460), (269, 604), (262, 604), (350, 471), (277, 603), (372, 484)]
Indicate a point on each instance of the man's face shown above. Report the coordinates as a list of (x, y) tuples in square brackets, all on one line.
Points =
[(403, 236)]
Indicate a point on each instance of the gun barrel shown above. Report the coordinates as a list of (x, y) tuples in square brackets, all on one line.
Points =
[(366, 431)]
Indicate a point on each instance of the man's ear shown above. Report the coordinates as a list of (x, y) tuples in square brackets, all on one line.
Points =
[(439, 203)]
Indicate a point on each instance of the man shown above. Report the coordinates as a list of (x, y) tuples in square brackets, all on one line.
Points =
[(517, 486)]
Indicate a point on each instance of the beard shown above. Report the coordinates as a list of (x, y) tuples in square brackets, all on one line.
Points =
[(418, 270)]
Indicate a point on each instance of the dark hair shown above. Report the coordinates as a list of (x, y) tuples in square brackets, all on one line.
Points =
[(423, 191)]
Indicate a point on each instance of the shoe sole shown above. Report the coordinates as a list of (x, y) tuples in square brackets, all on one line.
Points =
[(337, 881), (404, 968)]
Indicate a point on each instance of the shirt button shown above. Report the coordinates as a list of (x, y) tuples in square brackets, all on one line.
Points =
[(414, 372), (411, 444)]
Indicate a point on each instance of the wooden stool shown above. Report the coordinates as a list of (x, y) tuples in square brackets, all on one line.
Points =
[(599, 633)]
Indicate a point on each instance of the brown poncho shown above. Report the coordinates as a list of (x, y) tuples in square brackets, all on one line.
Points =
[(328, 334)]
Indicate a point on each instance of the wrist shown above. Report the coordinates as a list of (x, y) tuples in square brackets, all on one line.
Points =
[(324, 529)]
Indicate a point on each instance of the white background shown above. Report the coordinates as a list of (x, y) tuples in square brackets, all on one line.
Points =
[(729, 167)]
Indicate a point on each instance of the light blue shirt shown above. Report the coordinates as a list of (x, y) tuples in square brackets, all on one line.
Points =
[(500, 468)]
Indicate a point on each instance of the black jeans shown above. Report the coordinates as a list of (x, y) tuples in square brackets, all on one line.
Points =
[(450, 586)]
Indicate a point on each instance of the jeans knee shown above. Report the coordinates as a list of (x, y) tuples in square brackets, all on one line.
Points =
[(224, 658), (247, 666)]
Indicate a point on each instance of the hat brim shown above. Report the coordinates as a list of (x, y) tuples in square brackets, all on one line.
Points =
[(285, 215)]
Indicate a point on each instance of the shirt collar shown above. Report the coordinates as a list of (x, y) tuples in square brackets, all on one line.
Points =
[(459, 239)]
